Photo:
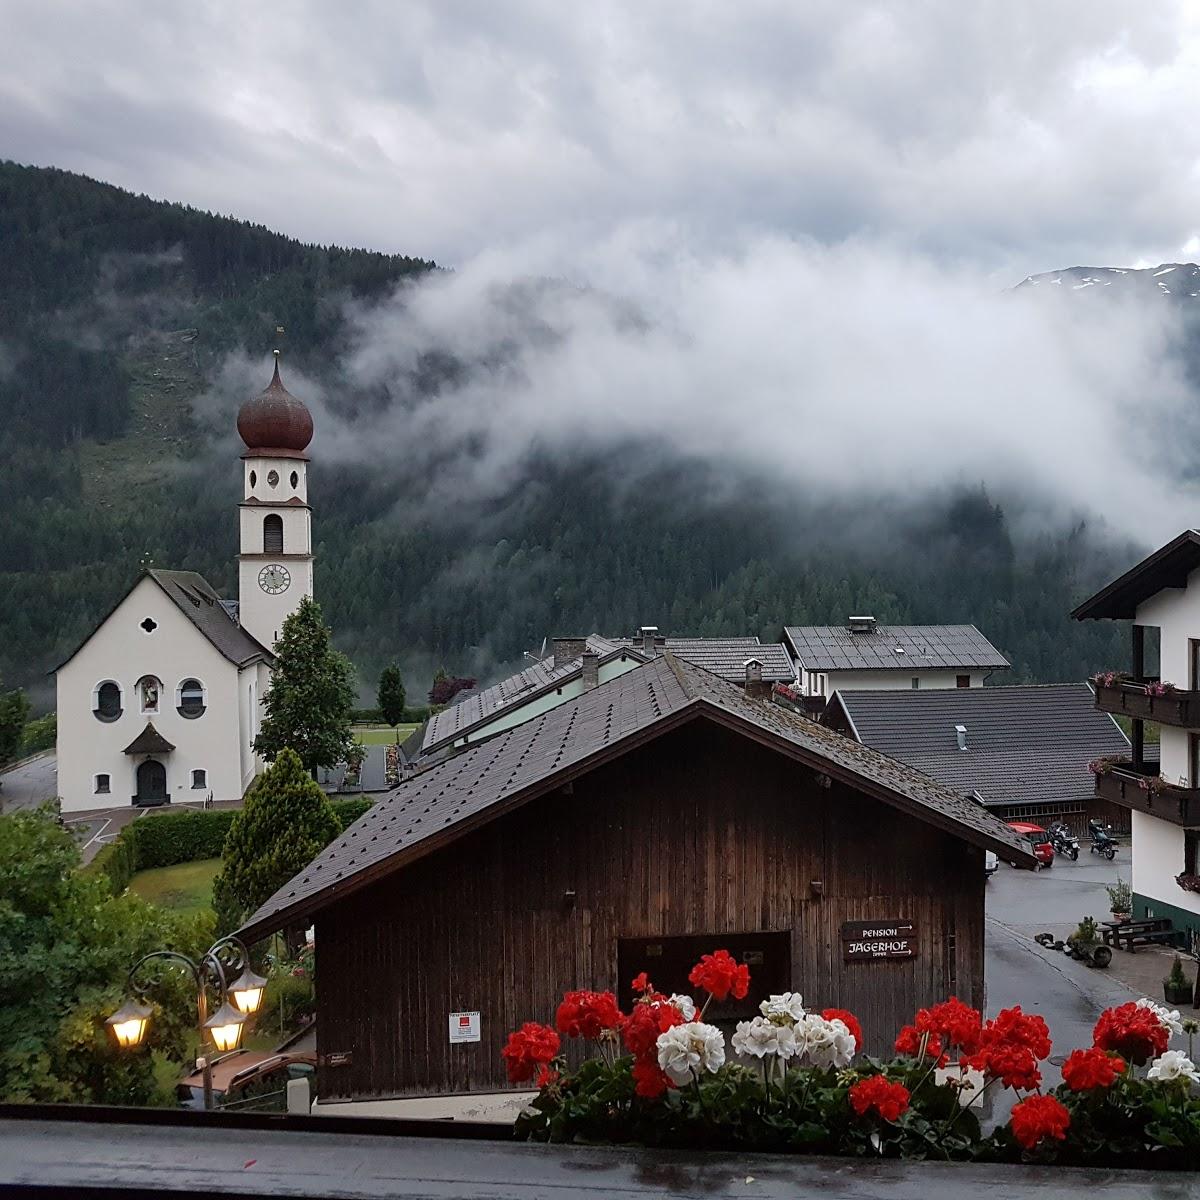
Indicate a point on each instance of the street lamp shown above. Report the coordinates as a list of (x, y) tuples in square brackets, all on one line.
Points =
[(128, 1025)]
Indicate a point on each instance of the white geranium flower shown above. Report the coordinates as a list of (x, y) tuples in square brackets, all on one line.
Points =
[(685, 1051), (685, 1004), (824, 1044), (761, 1037), (1172, 1065), (787, 1004), (1168, 1017)]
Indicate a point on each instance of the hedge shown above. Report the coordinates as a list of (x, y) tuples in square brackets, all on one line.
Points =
[(413, 715), (165, 839)]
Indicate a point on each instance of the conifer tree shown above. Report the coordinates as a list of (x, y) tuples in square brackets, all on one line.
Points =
[(391, 694), (284, 824), (311, 697)]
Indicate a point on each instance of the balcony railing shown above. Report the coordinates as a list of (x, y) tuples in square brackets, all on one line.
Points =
[(1147, 792), (1140, 702)]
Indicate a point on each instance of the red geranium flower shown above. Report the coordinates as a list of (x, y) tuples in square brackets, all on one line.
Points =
[(1010, 1047), (529, 1048), (881, 1095), (587, 1014), (1087, 1069), (546, 1076), (650, 1080), (849, 1020), (956, 1024), (1039, 1117), (719, 974), (909, 1042), (641, 1028), (641, 983), (1134, 1033)]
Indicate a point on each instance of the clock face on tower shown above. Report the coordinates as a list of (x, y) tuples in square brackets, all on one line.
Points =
[(274, 578)]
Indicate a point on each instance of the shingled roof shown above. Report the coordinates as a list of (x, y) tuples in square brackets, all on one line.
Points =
[(485, 781), (193, 596), (893, 647), (487, 704), (725, 657), (1027, 744)]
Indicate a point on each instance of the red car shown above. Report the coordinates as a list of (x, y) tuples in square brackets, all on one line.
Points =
[(1039, 841)]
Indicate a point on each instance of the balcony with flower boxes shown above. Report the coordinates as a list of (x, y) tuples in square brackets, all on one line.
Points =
[(1144, 790), (1147, 700)]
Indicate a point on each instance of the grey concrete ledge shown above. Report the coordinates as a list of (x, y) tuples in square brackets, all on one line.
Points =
[(88, 1157)]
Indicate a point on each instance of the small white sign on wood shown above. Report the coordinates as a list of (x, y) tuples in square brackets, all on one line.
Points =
[(464, 1027)]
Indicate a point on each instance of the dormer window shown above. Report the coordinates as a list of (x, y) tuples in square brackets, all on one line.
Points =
[(149, 691)]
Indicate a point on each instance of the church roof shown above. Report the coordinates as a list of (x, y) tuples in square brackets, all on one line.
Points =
[(193, 596), (149, 741), (275, 421)]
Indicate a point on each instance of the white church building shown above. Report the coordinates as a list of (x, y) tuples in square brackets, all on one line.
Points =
[(162, 701)]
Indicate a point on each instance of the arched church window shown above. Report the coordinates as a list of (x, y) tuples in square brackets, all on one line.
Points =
[(254, 479), (295, 480), (106, 701), (149, 690), (192, 701), (199, 779), (273, 534)]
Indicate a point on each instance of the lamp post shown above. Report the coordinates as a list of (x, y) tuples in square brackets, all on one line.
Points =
[(127, 1026)]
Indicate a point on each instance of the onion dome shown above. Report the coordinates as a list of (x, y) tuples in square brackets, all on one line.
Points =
[(275, 420)]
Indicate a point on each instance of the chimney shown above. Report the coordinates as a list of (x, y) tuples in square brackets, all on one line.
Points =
[(754, 680), (960, 731), (862, 624), (566, 649), (650, 639), (591, 670)]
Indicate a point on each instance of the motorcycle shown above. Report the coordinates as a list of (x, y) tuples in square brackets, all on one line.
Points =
[(1102, 841), (1063, 841)]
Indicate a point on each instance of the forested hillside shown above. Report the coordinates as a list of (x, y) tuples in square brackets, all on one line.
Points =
[(116, 315)]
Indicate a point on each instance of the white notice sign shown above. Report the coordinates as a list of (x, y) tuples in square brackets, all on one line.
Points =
[(464, 1027)]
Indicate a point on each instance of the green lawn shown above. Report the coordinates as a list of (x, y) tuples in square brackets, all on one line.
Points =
[(381, 735), (186, 888)]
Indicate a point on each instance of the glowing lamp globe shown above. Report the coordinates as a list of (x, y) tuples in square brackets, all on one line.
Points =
[(247, 992), (127, 1026), (225, 1027)]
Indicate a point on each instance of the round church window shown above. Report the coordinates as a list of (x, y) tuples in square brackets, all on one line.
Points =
[(273, 478)]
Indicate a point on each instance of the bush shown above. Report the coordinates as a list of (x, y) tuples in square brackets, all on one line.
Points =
[(295, 993), (116, 863), (348, 811), (170, 838), (40, 735)]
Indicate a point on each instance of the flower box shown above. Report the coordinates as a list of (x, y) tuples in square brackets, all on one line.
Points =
[(1189, 883)]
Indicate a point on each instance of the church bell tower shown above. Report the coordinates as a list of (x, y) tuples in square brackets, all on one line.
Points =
[(275, 566)]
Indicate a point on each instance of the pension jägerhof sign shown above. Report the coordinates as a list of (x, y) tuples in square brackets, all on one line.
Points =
[(863, 940)]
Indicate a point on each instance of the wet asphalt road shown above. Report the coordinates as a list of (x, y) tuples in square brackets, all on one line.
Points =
[(1068, 994)]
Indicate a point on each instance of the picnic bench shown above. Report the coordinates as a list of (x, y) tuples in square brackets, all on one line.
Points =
[(1126, 935)]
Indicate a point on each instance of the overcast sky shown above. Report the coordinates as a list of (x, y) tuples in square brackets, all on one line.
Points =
[(1006, 136)]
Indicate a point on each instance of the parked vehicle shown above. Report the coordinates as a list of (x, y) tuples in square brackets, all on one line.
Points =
[(245, 1075), (1063, 841), (991, 864), (1102, 841), (1038, 839)]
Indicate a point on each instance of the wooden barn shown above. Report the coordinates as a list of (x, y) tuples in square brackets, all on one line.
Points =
[(659, 815)]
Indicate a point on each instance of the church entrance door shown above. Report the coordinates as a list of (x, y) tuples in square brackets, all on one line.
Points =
[(151, 783)]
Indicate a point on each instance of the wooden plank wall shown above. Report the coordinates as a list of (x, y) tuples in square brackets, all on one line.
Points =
[(700, 832)]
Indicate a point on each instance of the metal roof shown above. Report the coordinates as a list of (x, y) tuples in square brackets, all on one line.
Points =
[(1168, 567), (1025, 745), (487, 780), (892, 647), (482, 706), (726, 657)]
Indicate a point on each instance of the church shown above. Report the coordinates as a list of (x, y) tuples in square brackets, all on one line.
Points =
[(162, 701)]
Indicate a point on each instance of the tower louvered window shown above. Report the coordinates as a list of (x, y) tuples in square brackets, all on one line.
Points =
[(273, 534)]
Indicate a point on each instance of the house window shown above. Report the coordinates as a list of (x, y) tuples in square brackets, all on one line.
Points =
[(102, 785), (149, 690), (1191, 844), (916, 682), (191, 698), (106, 703), (199, 779), (273, 534), (962, 681)]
